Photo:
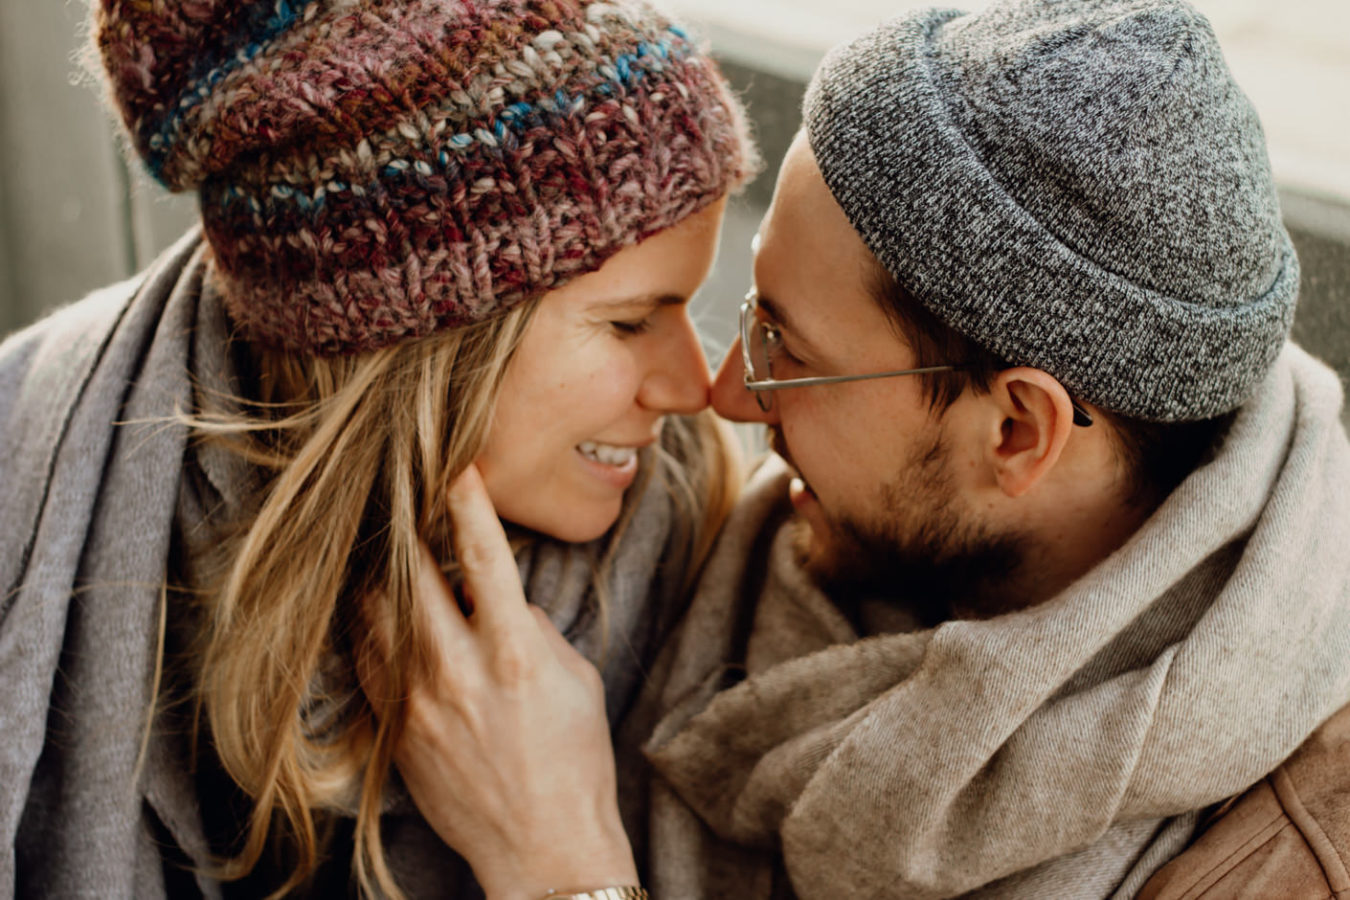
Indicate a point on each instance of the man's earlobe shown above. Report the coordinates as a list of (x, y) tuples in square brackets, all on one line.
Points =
[(1037, 417)]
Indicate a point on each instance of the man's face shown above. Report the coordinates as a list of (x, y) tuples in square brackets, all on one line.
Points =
[(883, 482)]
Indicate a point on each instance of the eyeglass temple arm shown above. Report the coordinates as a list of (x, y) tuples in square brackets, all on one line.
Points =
[(775, 385), (1081, 417)]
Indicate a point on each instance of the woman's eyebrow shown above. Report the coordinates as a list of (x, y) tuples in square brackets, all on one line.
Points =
[(643, 300)]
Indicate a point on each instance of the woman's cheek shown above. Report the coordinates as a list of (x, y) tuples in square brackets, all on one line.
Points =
[(613, 384)]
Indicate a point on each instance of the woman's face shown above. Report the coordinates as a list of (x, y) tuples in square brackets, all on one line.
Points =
[(603, 360)]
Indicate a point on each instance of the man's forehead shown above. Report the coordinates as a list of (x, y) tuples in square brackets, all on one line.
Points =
[(805, 233)]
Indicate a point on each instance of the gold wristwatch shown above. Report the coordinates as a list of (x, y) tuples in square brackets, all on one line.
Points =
[(628, 892)]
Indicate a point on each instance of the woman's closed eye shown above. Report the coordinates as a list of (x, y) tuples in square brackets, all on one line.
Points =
[(632, 327)]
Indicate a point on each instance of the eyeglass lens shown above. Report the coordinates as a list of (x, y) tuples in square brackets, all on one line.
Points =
[(754, 337)]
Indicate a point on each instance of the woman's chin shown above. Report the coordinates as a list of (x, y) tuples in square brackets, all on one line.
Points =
[(572, 523), (573, 506)]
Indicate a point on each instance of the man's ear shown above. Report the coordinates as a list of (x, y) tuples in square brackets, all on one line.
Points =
[(1036, 417)]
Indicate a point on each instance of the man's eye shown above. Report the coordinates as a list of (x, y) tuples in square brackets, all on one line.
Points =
[(636, 327), (773, 345)]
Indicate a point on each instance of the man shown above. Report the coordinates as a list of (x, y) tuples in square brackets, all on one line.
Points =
[(1053, 561)]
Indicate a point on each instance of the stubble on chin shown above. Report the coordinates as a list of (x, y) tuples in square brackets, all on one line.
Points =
[(919, 549)]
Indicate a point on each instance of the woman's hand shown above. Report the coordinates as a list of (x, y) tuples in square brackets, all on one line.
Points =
[(506, 750)]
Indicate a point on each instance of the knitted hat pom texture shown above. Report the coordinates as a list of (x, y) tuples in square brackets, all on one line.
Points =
[(370, 171)]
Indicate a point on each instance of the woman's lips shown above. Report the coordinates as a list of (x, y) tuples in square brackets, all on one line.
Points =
[(614, 464)]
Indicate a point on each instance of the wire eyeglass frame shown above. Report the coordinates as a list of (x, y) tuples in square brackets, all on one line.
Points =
[(762, 386)]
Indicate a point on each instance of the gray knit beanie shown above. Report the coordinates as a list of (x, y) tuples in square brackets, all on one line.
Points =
[(1076, 185)]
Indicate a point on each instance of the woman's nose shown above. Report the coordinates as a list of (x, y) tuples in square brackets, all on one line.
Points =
[(678, 380), (730, 397)]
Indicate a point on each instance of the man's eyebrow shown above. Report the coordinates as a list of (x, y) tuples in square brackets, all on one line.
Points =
[(643, 300)]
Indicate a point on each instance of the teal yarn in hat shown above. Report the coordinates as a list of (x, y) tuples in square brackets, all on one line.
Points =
[(370, 171)]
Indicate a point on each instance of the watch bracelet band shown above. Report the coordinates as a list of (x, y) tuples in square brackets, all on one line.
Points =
[(626, 892)]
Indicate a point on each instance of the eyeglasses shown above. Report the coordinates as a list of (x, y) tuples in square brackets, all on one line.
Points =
[(761, 340)]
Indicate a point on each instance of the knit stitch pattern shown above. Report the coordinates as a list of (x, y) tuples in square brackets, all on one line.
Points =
[(1076, 185), (371, 171)]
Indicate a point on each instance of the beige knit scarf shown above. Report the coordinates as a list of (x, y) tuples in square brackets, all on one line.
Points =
[(1060, 751)]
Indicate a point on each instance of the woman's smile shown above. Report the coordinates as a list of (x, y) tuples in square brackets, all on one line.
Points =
[(604, 359), (614, 464)]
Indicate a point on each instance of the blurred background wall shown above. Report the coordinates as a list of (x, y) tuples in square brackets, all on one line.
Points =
[(74, 216)]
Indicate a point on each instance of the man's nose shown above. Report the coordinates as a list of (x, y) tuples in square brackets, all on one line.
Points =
[(730, 397)]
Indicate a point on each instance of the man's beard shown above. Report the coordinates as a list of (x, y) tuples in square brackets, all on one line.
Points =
[(917, 549)]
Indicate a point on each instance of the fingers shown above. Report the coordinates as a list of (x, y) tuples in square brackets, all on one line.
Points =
[(436, 606), (490, 574), (371, 670), (570, 657), (553, 637), (500, 632), (437, 613)]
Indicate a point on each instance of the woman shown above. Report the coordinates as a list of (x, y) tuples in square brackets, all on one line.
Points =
[(432, 233)]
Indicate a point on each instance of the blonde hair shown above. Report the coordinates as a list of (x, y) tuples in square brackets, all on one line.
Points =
[(354, 456)]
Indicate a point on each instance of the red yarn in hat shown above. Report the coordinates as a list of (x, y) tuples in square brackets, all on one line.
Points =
[(373, 171)]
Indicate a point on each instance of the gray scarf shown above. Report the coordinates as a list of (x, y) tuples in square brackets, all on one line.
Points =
[(1058, 751), (90, 479)]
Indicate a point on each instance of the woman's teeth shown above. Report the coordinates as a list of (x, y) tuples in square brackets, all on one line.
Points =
[(607, 453)]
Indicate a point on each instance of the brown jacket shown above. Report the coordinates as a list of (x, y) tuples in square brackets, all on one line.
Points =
[(1287, 837)]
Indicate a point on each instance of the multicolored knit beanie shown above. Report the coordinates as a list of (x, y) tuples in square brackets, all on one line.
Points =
[(374, 170)]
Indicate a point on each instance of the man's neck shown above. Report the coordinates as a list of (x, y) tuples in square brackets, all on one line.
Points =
[(1062, 547)]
